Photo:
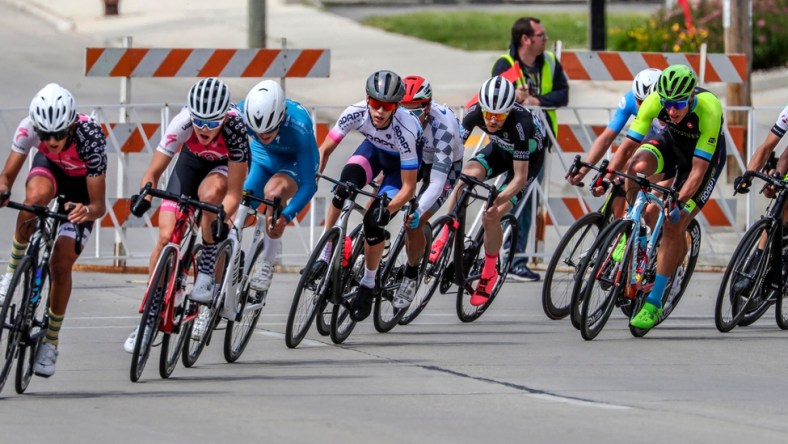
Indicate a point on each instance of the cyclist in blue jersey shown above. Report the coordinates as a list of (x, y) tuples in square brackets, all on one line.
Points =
[(284, 163)]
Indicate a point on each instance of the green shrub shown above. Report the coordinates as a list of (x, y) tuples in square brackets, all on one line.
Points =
[(666, 31)]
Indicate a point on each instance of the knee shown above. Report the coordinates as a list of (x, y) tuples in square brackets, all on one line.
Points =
[(37, 197)]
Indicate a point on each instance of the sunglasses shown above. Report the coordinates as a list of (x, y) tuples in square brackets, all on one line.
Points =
[(209, 124), (417, 112), (376, 104), (58, 135), (499, 117), (678, 104)]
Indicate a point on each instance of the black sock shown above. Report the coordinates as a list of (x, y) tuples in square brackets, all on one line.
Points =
[(411, 271)]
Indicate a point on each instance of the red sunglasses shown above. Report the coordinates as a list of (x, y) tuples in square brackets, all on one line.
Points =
[(377, 104)]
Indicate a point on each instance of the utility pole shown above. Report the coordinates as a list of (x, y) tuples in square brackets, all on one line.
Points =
[(737, 22), (257, 32), (597, 30)]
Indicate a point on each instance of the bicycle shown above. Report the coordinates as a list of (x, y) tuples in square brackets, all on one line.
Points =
[(323, 286), (563, 271), (234, 300), (626, 281), (24, 315), (463, 253), (756, 274), (165, 308)]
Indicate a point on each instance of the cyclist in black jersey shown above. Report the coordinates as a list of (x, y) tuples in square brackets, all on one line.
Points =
[(515, 148), (692, 146)]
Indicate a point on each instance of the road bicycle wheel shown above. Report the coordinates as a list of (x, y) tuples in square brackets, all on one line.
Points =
[(238, 333), (341, 323), (562, 271), (323, 318), (473, 262), (151, 314), (744, 276), (781, 305), (310, 293), (683, 273), (172, 344), (12, 316), (39, 307), (433, 270), (607, 281)]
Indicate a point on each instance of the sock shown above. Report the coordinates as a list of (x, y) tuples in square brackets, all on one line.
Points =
[(17, 253), (270, 248), (208, 258), (655, 297), (325, 256), (411, 271), (53, 330), (489, 270), (369, 278)]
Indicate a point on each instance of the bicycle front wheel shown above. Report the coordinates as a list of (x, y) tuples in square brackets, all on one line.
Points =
[(562, 271), (39, 307), (172, 344), (12, 316), (238, 333), (743, 278), (151, 314)]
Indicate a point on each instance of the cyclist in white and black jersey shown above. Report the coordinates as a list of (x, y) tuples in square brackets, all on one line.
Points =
[(212, 167), (440, 168), (516, 148), (392, 137), (71, 161), (762, 153)]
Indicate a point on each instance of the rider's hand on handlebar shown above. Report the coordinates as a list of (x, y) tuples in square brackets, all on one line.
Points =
[(675, 213), (77, 212), (414, 219), (5, 195), (219, 230), (382, 216), (576, 178), (742, 185), (276, 230), (139, 206)]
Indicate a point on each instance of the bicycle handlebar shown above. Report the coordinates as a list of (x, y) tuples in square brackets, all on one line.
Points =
[(493, 191), (42, 211), (641, 180), (182, 199), (776, 181), (275, 203)]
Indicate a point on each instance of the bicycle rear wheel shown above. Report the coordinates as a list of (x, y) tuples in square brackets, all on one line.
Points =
[(562, 271), (341, 323), (39, 307), (607, 281), (310, 293), (744, 276), (238, 334), (151, 313), (12, 316), (683, 273), (172, 344), (323, 318), (473, 263), (433, 270)]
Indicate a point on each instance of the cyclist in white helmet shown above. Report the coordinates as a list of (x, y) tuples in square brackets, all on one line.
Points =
[(644, 83), (211, 137), (284, 163), (516, 148), (71, 161)]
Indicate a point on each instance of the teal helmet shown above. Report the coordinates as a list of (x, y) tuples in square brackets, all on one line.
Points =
[(677, 82)]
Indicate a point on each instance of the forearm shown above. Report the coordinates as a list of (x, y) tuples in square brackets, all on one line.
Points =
[(306, 189), (155, 169), (600, 146), (763, 152)]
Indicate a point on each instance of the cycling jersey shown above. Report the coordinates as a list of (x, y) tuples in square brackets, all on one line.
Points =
[(84, 156), (781, 125), (293, 152), (230, 144), (399, 137), (700, 130), (443, 149), (627, 107), (522, 134)]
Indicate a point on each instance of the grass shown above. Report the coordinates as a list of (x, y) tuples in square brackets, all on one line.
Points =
[(478, 31)]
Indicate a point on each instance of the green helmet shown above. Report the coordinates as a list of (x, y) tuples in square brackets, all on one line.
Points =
[(677, 82)]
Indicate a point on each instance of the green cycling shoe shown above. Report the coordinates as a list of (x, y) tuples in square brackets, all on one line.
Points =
[(646, 317)]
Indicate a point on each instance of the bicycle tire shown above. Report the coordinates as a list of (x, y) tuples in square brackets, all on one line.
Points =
[(323, 318), (726, 318), (433, 272), (27, 352), (151, 313), (559, 282), (341, 323), (670, 300), (12, 316), (238, 333), (596, 311), (781, 306), (172, 344), (473, 264), (304, 307)]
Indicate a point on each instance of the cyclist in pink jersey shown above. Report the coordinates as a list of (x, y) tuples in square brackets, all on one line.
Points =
[(212, 166), (71, 161)]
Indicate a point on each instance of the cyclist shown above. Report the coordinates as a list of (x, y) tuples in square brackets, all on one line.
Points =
[(72, 161), (644, 83), (441, 166), (284, 163), (212, 165), (692, 146), (391, 135), (516, 148)]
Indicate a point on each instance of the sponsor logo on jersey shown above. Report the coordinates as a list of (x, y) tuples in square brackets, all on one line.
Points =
[(351, 117)]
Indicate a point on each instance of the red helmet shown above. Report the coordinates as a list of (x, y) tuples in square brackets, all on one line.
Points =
[(417, 90)]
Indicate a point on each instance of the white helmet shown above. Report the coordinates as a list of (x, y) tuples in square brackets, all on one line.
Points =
[(53, 109), (209, 99), (497, 95), (264, 106), (645, 82)]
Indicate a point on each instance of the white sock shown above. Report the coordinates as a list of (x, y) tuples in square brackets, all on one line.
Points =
[(369, 278), (326, 254), (270, 248)]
